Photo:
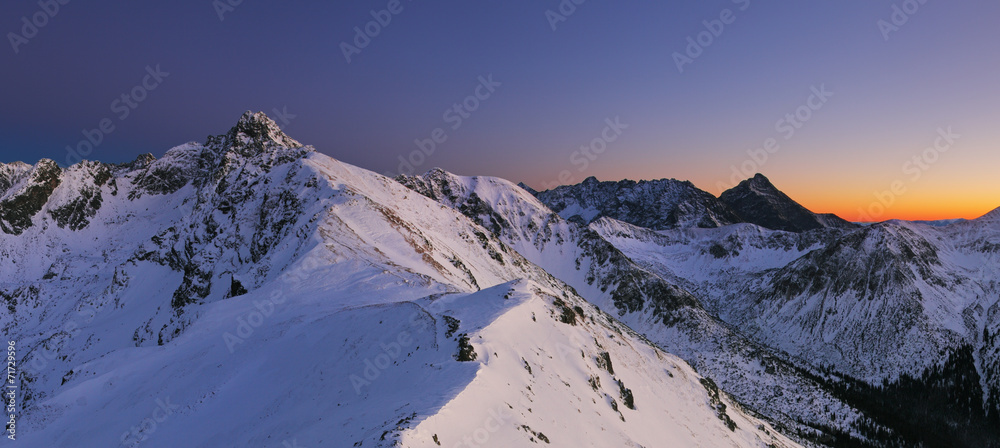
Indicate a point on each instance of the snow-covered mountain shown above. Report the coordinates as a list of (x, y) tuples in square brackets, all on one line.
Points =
[(662, 311), (671, 204), (250, 291), (894, 303), (658, 204)]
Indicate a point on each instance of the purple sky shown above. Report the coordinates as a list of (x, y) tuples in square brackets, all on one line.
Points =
[(557, 89)]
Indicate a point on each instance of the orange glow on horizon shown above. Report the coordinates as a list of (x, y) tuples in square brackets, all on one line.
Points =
[(864, 196), (911, 215), (910, 209)]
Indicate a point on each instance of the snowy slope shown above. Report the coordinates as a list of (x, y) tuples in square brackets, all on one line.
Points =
[(642, 397), (660, 310), (877, 303), (319, 374), (251, 293), (846, 298), (202, 235)]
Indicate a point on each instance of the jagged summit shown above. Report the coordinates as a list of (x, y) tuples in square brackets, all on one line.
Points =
[(253, 134), (141, 162), (527, 188), (670, 203), (255, 143), (760, 183), (10, 173), (655, 204), (759, 202)]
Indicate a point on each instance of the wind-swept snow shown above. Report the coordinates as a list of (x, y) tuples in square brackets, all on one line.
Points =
[(252, 292)]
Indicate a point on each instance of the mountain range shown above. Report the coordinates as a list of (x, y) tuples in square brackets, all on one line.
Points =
[(251, 291)]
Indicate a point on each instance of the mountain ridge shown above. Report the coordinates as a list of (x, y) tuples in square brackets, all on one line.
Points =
[(669, 204), (337, 259), (246, 264), (656, 204)]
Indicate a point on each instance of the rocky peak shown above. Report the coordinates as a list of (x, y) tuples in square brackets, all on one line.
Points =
[(255, 142), (758, 185), (761, 184), (527, 188), (758, 201), (656, 204), (436, 184), (23, 201), (253, 135), (144, 159), (10, 173)]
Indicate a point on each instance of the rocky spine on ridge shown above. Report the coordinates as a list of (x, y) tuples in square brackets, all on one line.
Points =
[(658, 204), (19, 207)]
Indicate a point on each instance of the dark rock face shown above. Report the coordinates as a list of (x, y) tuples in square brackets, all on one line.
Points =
[(525, 187), (255, 134), (255, 137), (236, 205), (872, 262), (757, 201), (17, 210), (77, 213), (11, 173), (658, 205)]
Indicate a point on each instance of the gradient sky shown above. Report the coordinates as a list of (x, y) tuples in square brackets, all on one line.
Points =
[(940, 69)]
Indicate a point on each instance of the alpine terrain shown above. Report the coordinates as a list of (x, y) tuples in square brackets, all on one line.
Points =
[(249, 291)]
